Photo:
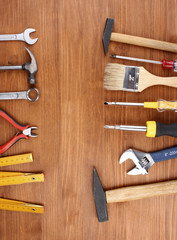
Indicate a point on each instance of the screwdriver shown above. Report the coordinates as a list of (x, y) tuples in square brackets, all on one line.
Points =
[(152, 129), (164, 63), (160, 105)]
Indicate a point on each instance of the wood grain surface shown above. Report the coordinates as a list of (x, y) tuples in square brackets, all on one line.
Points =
[(70, 115)]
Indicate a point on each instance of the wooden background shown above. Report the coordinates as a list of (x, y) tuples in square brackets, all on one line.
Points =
[(70, 115)]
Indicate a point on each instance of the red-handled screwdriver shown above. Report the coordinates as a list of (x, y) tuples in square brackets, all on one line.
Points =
[(164, 63)]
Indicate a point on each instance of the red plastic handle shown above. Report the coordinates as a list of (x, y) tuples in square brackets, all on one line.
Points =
[(12, 121), (167, 64), (10, 143)]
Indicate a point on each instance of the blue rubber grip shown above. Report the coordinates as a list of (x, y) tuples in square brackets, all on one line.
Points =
[(166, 154)]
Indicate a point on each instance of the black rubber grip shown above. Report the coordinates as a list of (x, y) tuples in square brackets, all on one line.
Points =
[(166, 129)]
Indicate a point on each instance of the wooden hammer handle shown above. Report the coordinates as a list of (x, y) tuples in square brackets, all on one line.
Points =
[(142, 191), (144, 42)]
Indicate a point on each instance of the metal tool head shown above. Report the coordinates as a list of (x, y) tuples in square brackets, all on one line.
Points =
[(28, 132), (31, 68), (100, 198), (36, 94), (143, 161), (107, 34), (27, 37)]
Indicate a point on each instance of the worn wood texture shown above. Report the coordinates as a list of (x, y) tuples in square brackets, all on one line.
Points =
[(70, 115)]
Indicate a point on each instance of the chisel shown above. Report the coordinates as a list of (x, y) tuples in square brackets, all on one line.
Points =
[(164, 63), (160, 105), (152, 129)]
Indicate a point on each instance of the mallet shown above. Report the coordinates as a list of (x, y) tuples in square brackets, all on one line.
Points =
[(138, 41), (127, 194)]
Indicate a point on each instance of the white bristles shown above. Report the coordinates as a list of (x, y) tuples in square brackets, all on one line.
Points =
[(114, 76)]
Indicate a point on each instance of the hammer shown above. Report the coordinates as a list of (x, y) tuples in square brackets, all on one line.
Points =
[(30, 67), (138, 41), (127, 194)]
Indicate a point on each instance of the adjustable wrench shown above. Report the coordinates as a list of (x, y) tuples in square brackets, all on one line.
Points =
[(143, 161), (21, 95), (25, 37)]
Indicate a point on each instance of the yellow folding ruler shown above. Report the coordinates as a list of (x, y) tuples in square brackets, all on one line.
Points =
[(13, 178), (18, 159), (12, 205)]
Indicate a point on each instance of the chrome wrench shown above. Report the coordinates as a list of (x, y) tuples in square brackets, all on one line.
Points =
[(21, 95), (25, 37)]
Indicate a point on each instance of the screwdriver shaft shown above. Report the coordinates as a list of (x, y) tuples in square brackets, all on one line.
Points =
[(127, 128), (124, 103), (136, 59)]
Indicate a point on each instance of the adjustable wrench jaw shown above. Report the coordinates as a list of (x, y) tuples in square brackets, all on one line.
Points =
[(143, 161)]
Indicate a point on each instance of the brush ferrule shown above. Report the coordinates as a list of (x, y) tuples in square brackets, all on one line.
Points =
[(131, 79)]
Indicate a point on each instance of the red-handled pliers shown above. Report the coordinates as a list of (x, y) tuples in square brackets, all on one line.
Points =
[(25, 132)]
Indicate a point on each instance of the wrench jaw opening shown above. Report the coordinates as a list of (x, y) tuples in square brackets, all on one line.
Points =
[(27, 38), (137, 171), (143, 161)]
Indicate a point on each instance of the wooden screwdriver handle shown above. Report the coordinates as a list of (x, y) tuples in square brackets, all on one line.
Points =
[(144, 42), (142, 191)]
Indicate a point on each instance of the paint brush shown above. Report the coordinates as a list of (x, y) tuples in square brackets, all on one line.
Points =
[(134, 79)]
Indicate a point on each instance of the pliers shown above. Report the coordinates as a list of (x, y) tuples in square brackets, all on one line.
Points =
[(26, 132)]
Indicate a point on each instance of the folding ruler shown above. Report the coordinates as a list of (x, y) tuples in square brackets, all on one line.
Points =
[(14, 178)]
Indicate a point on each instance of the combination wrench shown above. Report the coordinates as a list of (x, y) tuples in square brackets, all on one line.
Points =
[(25, 37), (21, 95)]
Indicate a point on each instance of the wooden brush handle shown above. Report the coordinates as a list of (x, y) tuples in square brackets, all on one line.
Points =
[(147, 79), (144, 42), (142, 191)]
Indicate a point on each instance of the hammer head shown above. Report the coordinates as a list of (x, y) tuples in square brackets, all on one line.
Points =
[(100, 198), (107, 34), (31, 68)]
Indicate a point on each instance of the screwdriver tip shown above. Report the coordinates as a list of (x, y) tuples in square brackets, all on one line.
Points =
[(113, 56), (105, 103), (108, 126)]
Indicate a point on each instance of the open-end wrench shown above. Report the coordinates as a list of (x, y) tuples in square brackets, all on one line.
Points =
[(25, 37), (21, 95), (144, 161)]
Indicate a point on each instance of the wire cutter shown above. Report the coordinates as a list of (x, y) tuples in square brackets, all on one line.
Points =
[(26, 132)]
